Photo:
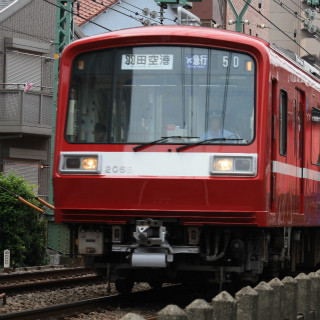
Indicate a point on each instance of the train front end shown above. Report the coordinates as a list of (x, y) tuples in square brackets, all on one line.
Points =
[(160, 161)]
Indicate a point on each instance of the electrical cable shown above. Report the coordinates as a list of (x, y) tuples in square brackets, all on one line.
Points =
[(269, 21), (88, 20), (302, 10), (132, 5), (136, 13), (289, 10), (292, 12), (297, 5), (142, 10), (283, 32), (130, 16), (109, 7)]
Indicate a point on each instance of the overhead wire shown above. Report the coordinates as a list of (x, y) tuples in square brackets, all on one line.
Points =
[(252, 7), (298, 5), (283, 32), (130, 16), (142, 10), (289, 10), (301, 10), (294, 13), (111, 8), (51, 41), (88, 20)]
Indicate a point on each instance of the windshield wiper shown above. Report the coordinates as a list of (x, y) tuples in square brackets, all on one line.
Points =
[(207, 140), (147, 144)]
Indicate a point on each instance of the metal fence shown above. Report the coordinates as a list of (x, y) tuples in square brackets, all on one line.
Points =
[(290, 299), (20, 108)]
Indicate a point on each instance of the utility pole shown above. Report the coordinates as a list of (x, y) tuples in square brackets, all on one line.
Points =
[(239, 17), (64, 35)]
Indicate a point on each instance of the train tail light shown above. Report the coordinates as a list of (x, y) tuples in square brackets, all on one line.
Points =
[(75, 162), (234, 164)]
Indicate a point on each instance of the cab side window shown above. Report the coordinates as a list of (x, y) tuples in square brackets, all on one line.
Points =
[(283, 119)]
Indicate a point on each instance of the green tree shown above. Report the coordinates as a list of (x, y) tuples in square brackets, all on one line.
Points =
[(22, 228)]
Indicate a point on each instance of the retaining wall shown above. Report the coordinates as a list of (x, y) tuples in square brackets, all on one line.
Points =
[(290, 299)]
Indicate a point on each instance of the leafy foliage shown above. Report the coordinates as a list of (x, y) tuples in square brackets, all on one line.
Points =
[(22, 228)]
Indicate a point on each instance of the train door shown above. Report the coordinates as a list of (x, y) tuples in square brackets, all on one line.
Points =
[(299, 146), (274, 143), (280, 183)]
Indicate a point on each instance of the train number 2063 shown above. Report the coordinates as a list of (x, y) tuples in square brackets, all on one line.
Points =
[(118, 169)]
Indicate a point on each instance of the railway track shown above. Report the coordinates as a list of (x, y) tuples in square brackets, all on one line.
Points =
[(61, 309), (68, 309), (15, 282)]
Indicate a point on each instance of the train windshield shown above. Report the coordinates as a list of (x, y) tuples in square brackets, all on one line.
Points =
[(142, 94)]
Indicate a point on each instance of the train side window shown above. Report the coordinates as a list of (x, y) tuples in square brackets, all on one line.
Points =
[(315, 136), (283, 122)]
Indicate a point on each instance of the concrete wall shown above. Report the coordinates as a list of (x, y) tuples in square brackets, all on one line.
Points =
[(289, 299)]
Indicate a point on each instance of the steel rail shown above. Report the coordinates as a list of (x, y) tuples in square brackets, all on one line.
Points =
[(44, 272), (84, 305), (59, 309), (44, 279), (46, 283)]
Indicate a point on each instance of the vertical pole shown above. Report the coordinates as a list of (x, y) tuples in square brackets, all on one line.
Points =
[(239, 17), (64, 35), (59, 235)]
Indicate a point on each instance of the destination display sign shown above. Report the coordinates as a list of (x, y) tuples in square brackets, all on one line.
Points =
[(147, 62)]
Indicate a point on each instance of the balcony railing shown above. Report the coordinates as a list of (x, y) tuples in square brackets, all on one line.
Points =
[(27, 112)]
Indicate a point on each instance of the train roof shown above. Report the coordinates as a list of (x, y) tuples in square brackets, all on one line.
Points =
[(174, 32)]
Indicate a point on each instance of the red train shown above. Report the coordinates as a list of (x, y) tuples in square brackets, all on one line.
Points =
[(187, 150)]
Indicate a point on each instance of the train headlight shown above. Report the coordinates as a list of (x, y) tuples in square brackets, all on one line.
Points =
[(223, 164), (76, 162), (234, 164), (89, 163)]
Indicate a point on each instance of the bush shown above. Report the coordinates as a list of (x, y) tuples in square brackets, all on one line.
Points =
[(22, 228)]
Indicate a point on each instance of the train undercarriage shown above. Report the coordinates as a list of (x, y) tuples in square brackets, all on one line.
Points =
[(158, 251)]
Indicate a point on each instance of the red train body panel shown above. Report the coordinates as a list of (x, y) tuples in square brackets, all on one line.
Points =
[(274, 182)]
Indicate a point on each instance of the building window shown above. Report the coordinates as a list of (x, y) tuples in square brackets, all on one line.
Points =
[(315, 136), (283, 122), (23, 69)]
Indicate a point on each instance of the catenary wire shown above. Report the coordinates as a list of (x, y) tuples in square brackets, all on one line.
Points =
[(289, 10), (279, 29), (111, 8), (132, 5), (99, 25), (136, 13), (257, 11), (303, 18), (298, 5), (130, 16)]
